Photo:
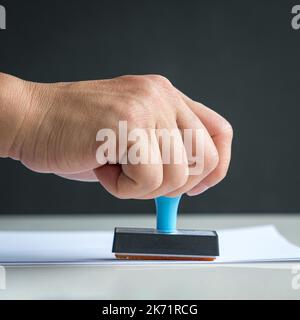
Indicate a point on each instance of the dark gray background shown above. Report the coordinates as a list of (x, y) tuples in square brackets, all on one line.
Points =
[(239, 57)]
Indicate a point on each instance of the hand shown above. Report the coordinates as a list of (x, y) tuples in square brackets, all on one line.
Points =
[(56, 133)]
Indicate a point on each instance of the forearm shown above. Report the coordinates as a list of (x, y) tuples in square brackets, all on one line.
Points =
[(14, 102)]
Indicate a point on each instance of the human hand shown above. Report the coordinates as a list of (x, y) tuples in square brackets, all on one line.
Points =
[(57, 133)]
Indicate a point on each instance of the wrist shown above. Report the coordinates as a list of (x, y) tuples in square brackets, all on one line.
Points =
[(14, 106)]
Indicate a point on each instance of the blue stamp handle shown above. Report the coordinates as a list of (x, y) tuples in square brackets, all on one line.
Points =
[(166, 213)]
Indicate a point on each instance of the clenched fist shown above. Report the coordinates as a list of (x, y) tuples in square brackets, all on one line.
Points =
[(52, 128)]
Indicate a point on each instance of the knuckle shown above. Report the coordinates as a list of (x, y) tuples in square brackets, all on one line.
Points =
[(154, 86), (220, 174), (147, 178), (177, 180), (225, 128), (153, 181), (144, 89), (213, 161), (228, 130), (148, 88), (181, 181), (130, 79), (160, 80)]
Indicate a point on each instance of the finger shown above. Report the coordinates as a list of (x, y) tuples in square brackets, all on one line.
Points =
[(129, 180), (204, 159), (222, 134), (175, 165)]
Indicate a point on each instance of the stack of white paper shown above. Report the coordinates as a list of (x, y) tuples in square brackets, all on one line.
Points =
[(253, 244)]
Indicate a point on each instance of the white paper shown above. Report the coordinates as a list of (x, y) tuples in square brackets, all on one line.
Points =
[(244, 245)]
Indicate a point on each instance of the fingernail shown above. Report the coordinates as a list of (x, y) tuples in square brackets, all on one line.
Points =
[(200, 188)]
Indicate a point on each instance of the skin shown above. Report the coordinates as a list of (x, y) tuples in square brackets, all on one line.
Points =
[(51, 128)]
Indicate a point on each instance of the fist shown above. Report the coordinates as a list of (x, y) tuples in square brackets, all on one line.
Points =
[(61, 134)]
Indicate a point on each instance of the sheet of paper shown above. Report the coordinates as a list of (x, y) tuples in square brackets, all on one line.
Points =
[(244, 245)]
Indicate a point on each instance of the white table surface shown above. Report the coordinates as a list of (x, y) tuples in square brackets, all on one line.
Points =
[(244, 281)]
